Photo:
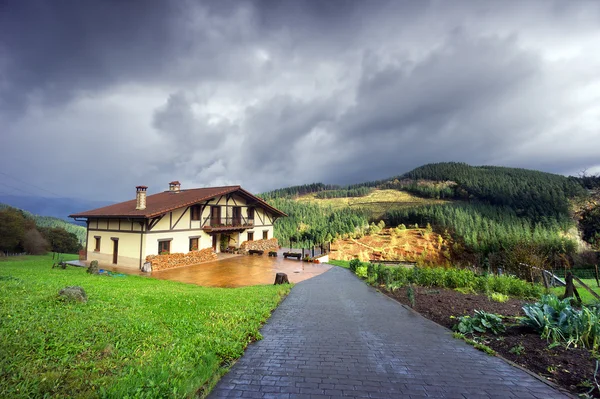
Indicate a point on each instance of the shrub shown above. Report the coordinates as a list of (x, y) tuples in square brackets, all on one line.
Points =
[(361, 271), (384, 275), (498, 297), (354, 263), (480, 322), (410, 293), (371, 271), (465, 280)]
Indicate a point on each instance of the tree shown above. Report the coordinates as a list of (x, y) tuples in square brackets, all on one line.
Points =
[(34, 243), (12, 228), (61, 240)]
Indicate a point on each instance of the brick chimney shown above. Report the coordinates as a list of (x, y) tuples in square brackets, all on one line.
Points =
[(174, 186), (140, 197)]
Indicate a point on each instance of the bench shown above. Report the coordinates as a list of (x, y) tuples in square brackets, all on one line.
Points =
[(296, 255)]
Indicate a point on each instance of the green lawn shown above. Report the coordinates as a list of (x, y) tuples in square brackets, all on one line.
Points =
[(586, 297), (340, 263), (135, 337)]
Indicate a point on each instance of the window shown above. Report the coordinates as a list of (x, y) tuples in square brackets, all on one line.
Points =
[(97, 248), (194, 244), (250, 236), (195, 212), (265, 234), (250, 215), (164, 247)]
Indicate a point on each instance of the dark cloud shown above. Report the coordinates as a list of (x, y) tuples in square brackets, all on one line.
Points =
[(274, 93)]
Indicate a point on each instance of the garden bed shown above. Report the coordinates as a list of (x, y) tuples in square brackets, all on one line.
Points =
[(572, 368)]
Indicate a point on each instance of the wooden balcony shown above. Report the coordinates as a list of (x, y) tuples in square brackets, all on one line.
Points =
[(227, 224)]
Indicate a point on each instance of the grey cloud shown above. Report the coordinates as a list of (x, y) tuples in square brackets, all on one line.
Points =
[(273, 93)]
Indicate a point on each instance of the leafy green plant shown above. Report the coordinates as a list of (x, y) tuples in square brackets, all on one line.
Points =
[(480, 322), (517, 350), (498, 297), (354, 263), (410, 293), (361, 271), (555, 320)]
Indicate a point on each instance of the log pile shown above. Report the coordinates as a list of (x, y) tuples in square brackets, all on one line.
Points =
[(260, 245), (163, 262)]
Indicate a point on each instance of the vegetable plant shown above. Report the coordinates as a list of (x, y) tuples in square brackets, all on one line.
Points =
[(481, 322)]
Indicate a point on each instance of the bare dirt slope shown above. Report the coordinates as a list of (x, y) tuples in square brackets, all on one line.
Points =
[(410, 245)]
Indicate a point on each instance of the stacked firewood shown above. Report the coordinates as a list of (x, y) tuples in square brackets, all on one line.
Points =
[(163, 262), (260, 245)]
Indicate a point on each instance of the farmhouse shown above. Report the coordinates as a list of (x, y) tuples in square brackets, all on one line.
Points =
[(176, 220)]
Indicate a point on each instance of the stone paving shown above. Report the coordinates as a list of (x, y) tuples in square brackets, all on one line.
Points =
[(335, 337)]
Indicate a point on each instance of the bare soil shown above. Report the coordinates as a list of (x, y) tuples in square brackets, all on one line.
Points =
[(409, 245), (572, 369)]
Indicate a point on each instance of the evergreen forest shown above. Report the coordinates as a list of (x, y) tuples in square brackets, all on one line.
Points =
[(493, 211)]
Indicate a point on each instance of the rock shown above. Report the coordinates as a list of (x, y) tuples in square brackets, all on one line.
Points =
[(93, 267), (73, 293), (147, 267)]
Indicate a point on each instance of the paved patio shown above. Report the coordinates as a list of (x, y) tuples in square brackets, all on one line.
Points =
[(335, 337), (242, 270)]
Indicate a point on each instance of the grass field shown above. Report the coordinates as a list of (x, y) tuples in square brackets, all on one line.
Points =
[(135, 337), (586, 297), (378, 202)]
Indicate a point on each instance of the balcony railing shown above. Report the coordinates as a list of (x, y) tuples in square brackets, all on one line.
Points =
[(211, 223)]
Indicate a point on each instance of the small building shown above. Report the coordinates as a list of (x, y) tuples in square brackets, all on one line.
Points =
[(175, 220)]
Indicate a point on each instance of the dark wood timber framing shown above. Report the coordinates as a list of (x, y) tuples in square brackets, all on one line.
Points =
[(153, 223), (261, 219)]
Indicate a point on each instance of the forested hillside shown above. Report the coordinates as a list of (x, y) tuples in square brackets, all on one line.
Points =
[(542, 197), (310, 224), (20, 231), (495, 213), (52, 222), (296, 191)]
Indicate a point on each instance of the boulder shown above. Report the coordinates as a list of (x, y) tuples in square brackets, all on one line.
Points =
[(93, 267), (73, 294)]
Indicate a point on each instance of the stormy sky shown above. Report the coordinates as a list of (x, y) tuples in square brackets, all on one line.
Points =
[(97, 97)]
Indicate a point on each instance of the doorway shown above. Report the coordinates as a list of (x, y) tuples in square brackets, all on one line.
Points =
[(215, 215), (214, 242), (115, 250), (237, 216)]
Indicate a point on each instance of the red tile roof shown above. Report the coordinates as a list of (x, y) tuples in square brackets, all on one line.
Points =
[(158, 204)]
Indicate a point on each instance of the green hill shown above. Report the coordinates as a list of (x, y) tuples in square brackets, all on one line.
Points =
[(491, 213), (49, 221), (537, 195)]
